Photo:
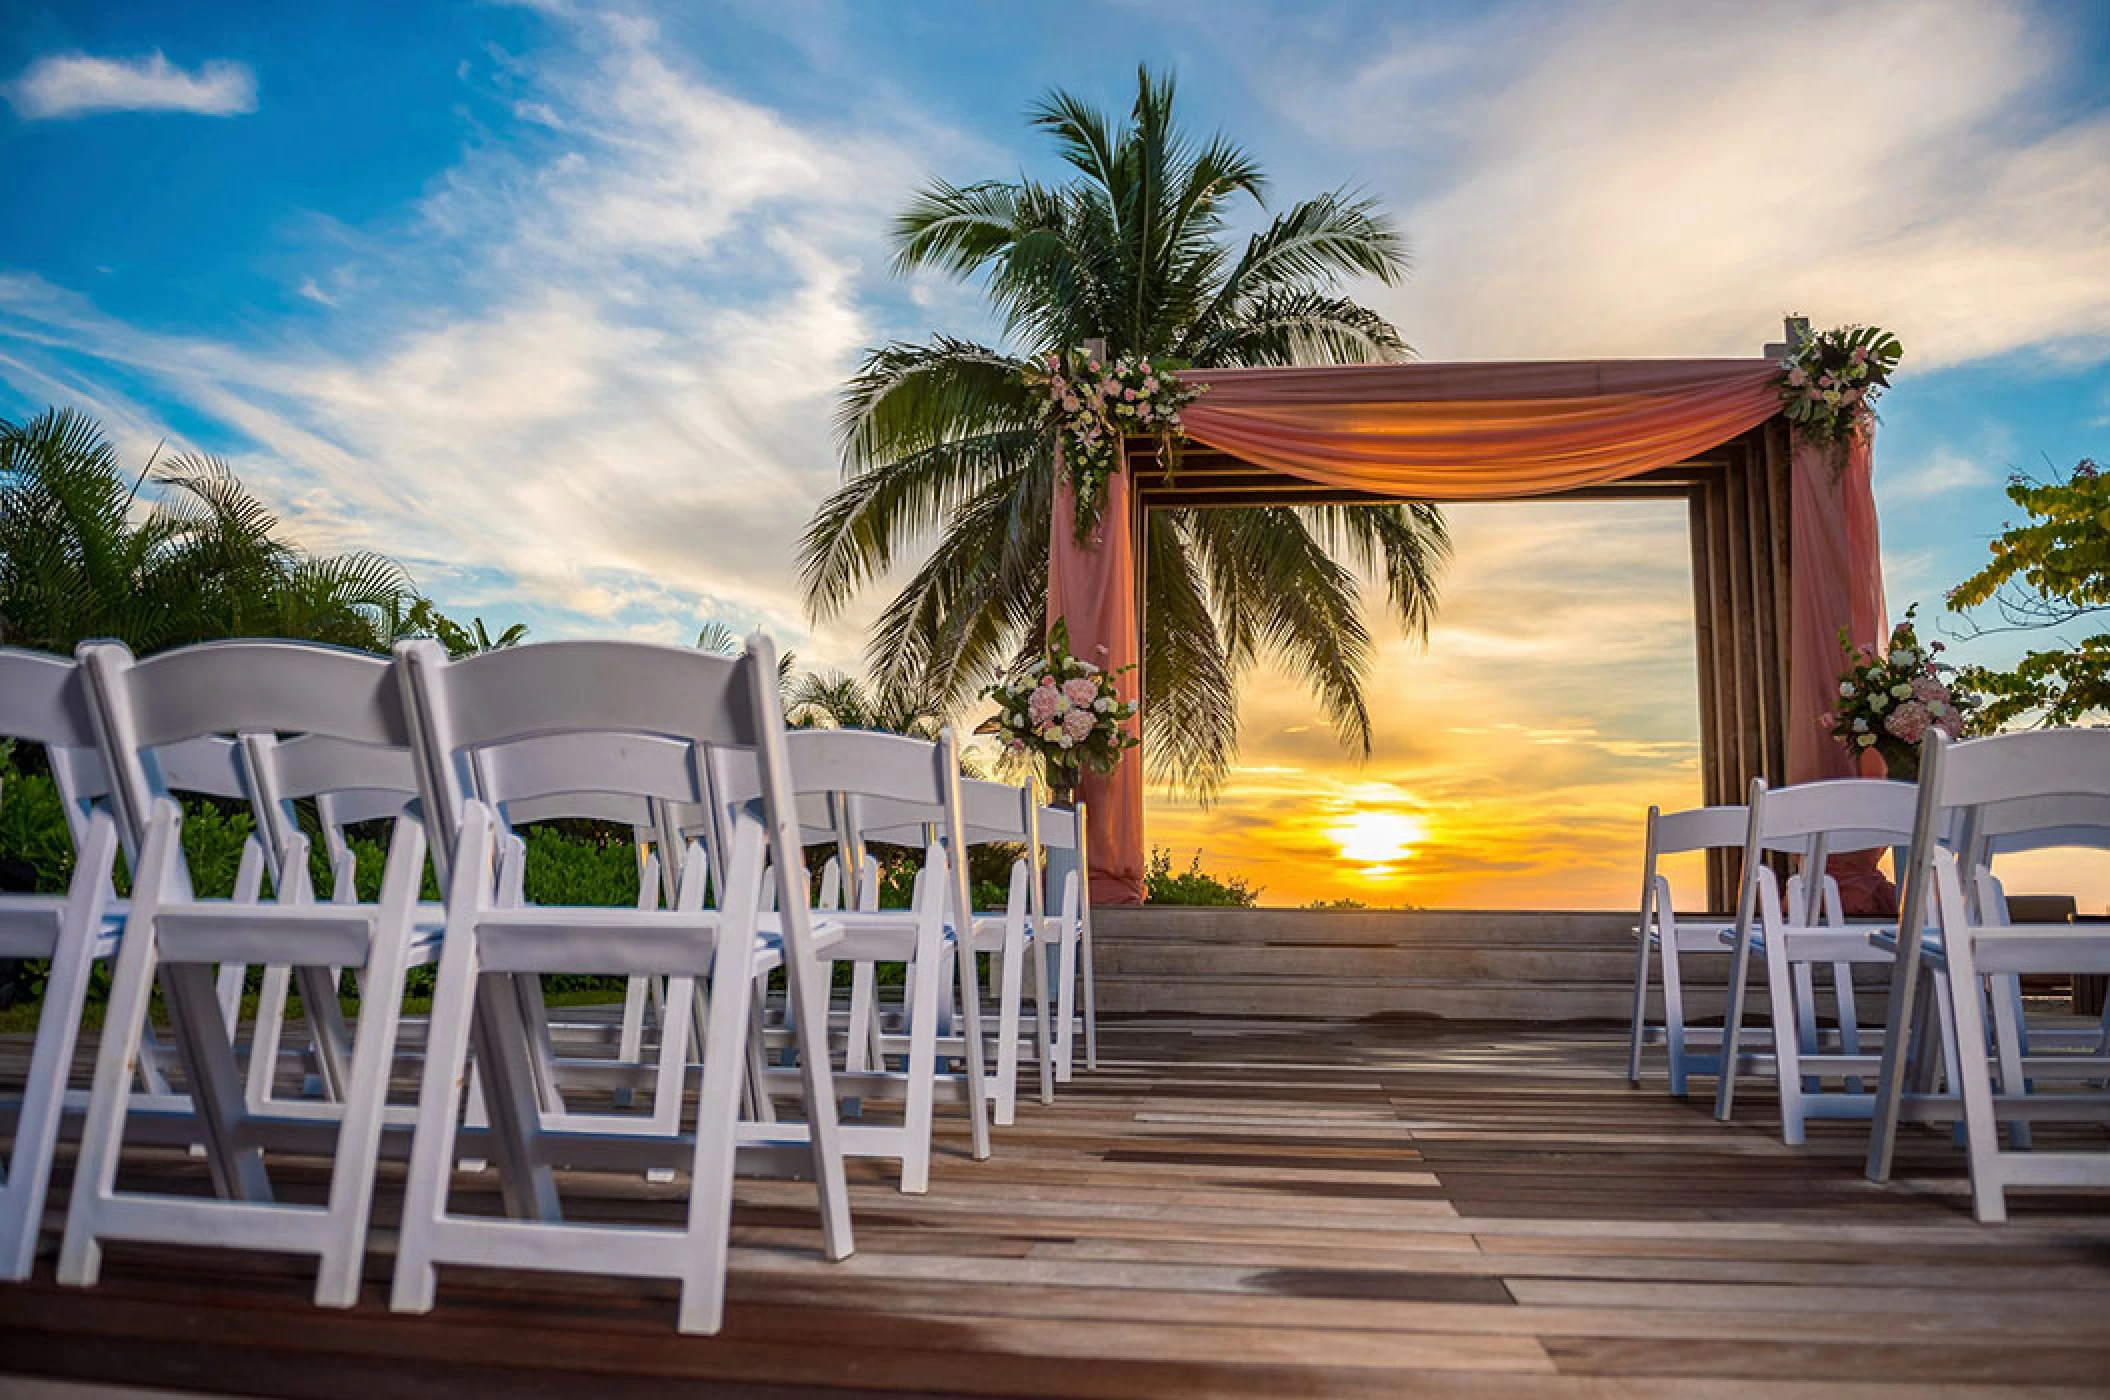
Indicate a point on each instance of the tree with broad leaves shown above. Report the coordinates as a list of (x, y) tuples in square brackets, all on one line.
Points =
[(2050, 572)]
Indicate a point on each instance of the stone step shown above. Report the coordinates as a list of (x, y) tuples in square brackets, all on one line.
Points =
[(1535, 962), (1455, 964), (1449, 998), (1471, 927)]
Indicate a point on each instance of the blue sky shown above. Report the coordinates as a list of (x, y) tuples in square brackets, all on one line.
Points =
[(549, 301)]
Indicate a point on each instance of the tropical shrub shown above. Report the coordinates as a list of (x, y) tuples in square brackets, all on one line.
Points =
[(1193, 886)]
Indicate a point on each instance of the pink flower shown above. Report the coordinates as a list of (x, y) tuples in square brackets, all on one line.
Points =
[(1929, 690), (1081, 691), (1797, 377), (1069, 403), (1909, 721), (1129, 394), (1951, 724), (1078, 725), (1044, 703), (1860, 353)]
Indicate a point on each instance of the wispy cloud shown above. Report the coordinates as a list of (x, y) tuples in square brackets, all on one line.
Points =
[(1631, 178), (597, 365), (77, 84), (1945, 471)]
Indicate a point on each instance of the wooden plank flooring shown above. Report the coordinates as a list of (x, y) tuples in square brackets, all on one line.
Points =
[(1248, 1208)]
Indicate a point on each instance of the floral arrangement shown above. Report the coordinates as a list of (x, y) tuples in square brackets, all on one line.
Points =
[(1888, 700), (1094, 405), (1066, 711), (1833, 377)]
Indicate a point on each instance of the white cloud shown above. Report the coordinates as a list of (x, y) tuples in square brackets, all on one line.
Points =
[(75, 84), (1945, 471), (1636, 179), (597, 378)]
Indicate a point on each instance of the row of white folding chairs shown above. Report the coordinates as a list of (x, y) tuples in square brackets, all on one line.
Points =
[(2019, 792), (529, 780), (443, 713)]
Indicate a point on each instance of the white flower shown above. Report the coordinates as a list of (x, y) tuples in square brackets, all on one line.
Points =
[(1860, 726), (1879, 702), (1866, 740), (1937, 708), (1846, 687), (1102, 704), (1903, 657), (1901, 690)]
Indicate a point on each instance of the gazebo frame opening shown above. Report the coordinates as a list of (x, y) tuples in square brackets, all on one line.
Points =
[(1737, 501)]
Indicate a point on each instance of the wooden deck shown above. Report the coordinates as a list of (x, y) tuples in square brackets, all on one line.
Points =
[(1370, 1208)]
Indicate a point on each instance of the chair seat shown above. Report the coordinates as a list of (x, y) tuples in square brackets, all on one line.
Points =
[(991, 928), (305, 935), (612, 941), (1822, 944), (2023, 948), (30, 924)]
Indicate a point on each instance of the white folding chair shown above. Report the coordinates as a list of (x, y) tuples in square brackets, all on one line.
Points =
[(240, 687), (1067, 886), (1670, 938), (999, 814), (565, 777), (1795, 934), (2034, 824), (885, 782), (1972, 940), (467, 710), (349, 784), (43, 701)]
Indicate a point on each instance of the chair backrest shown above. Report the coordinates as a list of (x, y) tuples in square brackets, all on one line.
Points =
[(146, 710), (614, 777), (1846, 814), (2037, 824), (2034, 765), (1836, 816), (2026, 791), (1698, 829), (1694, 830), (615, 719), (44, 701)]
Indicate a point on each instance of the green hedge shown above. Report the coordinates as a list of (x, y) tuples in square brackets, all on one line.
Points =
[(583, 863)]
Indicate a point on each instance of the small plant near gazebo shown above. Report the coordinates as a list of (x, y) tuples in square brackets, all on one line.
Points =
[(1066, 712)]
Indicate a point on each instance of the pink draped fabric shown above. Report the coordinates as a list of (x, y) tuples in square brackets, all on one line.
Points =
[(1467, 432), (1838, 585), (1092, 586), (1491, 431)]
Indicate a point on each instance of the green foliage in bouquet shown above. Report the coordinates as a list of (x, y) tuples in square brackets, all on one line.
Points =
[(1833, 378)]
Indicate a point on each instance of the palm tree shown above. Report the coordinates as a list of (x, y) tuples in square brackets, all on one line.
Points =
[(946, 438), (836, 700), (80, 557)]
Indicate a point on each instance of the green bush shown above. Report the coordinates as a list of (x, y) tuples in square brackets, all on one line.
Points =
[(1194, 886)]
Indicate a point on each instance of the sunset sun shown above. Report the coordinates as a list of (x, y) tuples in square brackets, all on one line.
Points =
[(1377, 840)]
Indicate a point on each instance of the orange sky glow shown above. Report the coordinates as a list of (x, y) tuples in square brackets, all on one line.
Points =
[(1515, 757)]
